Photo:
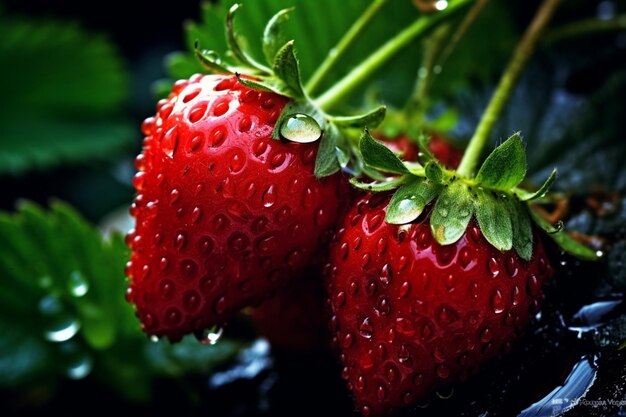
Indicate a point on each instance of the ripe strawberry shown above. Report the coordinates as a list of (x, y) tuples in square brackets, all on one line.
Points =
[(410, 315), (224, 213), (439, 146)]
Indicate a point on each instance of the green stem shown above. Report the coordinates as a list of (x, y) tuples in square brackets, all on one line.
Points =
[(376, 60), (342, 46), (500, 97), (584, 27)]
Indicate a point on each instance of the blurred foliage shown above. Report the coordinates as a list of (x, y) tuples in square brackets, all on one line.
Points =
[(63, 91), (63, 312), (316, 31)]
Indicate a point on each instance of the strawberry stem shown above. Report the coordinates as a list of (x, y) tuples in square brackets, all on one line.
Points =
[(520, 57), (584, 27), (335, 54), (353, 80)]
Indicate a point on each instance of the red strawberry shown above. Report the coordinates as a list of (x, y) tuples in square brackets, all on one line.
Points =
[(224, 213), (410, 315), (440, 147)]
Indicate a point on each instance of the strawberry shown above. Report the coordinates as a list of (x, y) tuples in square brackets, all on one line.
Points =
[(224, 213), (411, 315), (441, 148), (237, 189), (429, 281)]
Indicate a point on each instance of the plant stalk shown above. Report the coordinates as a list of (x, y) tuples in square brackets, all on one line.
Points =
[(335, 54), (353, 80), (518, 61)]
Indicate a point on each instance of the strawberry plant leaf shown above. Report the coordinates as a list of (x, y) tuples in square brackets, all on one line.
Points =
[(71, 110), (565, 241), (505, 167), (326, 162), (233, 43), (495, 226), (285, 66), (274, 36), (378, 156), (409, 201), (209, 60), (452, 213), (522, 230), (541, 192), (433, 171), (376, 186), (370, 119)]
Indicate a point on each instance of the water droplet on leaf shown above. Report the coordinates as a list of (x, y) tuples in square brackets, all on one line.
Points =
[(301, 128)]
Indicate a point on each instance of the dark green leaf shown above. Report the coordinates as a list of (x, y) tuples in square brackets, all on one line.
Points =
[(433, 172), (67, 89), (211, 61), (270, 84), (541, 192), (326, 162), (452, 213), (493, 219), (378, 156), (234, 44), (410, 200), (274, 36), (370, 120), (565, 241), (522, 230), (505, 167), (286, 68)]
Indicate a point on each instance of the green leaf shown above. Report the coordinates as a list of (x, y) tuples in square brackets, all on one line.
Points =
[(67, 89), (505, 167), (565, 241), (210, 60), (326, 162), (370, 120), (233, 43), (452, 213), (434, 172), (410, 200), (493, 219), (541, 192), (378, 156), (274, 36), (285, 66), (522, 230)]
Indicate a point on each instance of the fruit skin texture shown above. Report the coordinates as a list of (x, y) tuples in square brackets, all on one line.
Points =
[(224, 213), (410, 316)]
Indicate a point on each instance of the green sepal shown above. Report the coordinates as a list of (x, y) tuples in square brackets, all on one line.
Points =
[(274, 36), (377, 186), (541, 192), (326, 162), (298, 107), (370, 119), (210, 60), (493, 219), (270, 84), (286, 68), (433, 172), (563, 240), (378, 156), (522, 229), (426, 154), (410, 200), (233, 43), (452, 213), (505, 167), (343, 157)]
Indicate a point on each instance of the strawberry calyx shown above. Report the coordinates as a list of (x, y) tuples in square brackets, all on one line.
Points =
[(301, 120), (494, 196)]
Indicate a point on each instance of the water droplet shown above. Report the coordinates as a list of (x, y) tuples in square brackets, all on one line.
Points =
[(139, 180), (269, 197), (147, 127), (301, 128), (78, 284), (365, 327), (169, 142), (60, 326), (497, 302), (79, 366), (211, 336)]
